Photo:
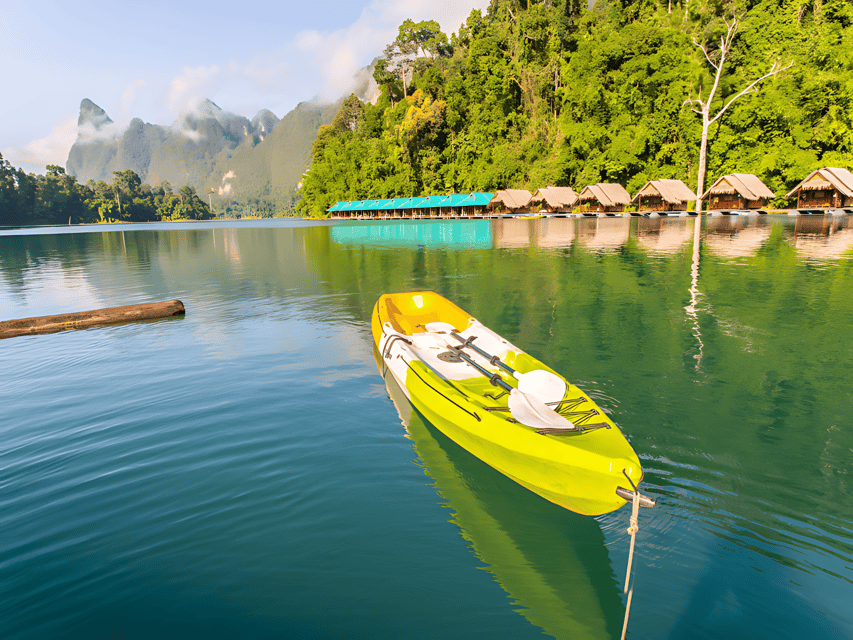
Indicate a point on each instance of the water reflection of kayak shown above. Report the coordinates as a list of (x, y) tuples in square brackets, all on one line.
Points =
[(503, 405), (553, 563)]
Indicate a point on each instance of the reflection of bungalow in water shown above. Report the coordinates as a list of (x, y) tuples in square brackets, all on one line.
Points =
[(663, 195), (604, 197), (604, 233), (510, 201), (817, 225), (827, 188), (453, 234), (735, 236), (554, 200), (510, 233), (664, 235), (555, 232), (827, 246), (737, 191)]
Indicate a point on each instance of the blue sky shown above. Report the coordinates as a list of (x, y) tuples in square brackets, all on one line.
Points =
[(157, 59)]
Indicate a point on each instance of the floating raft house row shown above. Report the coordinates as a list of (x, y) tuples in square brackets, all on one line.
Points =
[(823, 189), (454, 205)]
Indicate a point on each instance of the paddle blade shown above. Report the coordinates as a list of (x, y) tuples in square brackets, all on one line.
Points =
[(532, 412), (543, 385)]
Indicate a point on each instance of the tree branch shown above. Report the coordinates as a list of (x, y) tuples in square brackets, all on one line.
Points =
[(692, 101), (705, 51), (773, 71)]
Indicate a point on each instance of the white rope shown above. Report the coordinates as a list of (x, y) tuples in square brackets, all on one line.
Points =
[(635, 526)]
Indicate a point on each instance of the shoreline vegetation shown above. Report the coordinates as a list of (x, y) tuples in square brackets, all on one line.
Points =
[(56, 198), (531, 94)]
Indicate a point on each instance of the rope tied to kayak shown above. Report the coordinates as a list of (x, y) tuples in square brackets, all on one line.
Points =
[(633, 528)]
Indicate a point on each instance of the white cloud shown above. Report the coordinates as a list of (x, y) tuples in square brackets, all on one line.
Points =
[(312, 62), (226, 187), (129, 99), (190, 88), (52, 149)]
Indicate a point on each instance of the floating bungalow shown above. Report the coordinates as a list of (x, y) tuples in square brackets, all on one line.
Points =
[(554, 200), (663, 195), (604, 197), (510, 201), (450, 206), (827, 188), (737, 191)]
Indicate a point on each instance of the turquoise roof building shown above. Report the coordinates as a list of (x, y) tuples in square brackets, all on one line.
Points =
[(452, 204)]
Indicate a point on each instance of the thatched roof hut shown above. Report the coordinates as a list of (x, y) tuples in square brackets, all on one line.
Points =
[(737, 191), (824, 189), (554, 199), (514, 200), (605, 197), (664, 195)]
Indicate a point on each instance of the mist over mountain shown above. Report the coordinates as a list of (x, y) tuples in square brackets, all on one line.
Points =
[(235, 162)]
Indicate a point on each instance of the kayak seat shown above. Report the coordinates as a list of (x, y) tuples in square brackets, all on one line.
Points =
[(410, 314)]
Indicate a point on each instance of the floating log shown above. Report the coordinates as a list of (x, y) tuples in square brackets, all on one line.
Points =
[(86, 319)]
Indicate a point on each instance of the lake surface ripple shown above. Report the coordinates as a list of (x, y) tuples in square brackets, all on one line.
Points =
[(243, 471)]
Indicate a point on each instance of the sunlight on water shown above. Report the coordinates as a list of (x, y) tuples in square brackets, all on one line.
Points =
[(243, 471)]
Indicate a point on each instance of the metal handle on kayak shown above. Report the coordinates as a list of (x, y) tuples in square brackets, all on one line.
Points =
[(627, 494)]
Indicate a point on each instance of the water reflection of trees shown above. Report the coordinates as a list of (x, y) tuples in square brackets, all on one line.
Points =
[(264, 262)]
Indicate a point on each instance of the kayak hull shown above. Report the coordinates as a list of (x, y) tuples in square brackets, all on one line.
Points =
[(578, 471)]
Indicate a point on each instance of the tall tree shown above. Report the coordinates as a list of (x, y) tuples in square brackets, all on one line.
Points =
[(703, 107)]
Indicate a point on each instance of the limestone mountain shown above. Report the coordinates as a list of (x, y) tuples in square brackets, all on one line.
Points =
[(235, 162)]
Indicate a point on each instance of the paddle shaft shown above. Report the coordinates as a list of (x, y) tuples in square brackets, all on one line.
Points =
[(492, 359), (493, 377)]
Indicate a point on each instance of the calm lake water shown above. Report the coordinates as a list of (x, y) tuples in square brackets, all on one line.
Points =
[(243, 471)]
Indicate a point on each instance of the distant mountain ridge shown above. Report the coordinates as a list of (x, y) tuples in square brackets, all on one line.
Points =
[(233, 161)]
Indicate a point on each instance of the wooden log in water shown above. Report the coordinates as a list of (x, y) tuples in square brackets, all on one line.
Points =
[(86, 319)]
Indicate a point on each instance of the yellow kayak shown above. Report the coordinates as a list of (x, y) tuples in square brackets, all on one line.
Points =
[(503, 405)]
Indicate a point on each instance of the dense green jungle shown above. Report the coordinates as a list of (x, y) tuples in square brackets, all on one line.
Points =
[(532, 94)]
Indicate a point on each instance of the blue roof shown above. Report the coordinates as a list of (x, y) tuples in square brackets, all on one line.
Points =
[(416, 202)]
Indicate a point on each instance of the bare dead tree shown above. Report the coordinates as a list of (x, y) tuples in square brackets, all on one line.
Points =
[(703, 107)]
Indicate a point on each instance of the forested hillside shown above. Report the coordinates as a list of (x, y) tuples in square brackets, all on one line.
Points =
[(553, 93)]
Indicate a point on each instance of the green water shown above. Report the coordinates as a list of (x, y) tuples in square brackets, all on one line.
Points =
[(245, 472)]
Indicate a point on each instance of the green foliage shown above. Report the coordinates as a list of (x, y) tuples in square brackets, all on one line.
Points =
[(57, 198), (555, 93)]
